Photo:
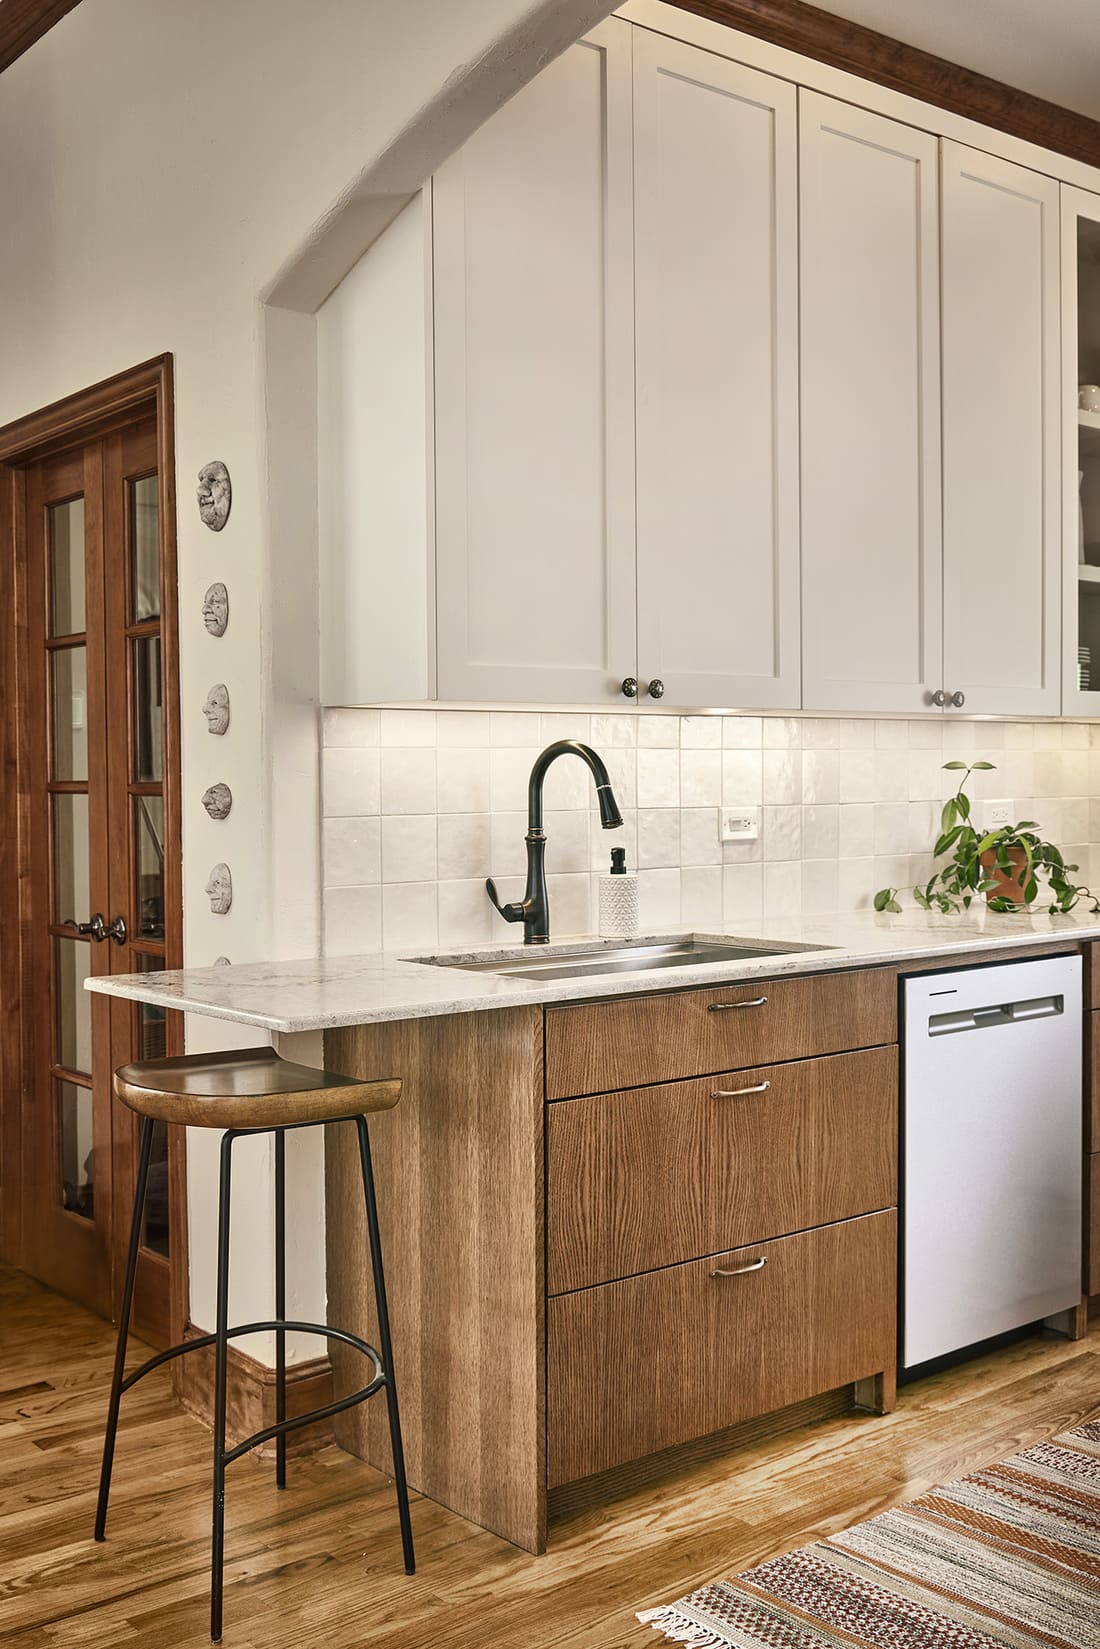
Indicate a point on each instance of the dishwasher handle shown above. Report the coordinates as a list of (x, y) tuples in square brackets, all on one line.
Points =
[(987, 1018)]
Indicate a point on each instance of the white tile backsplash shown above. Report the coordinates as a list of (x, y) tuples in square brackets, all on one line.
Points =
[(843, 806)]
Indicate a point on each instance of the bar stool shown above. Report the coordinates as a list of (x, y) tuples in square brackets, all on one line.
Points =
[(253, 1092)]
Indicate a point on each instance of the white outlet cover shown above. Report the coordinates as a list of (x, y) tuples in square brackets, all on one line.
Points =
[(998, 813), (738, 824)]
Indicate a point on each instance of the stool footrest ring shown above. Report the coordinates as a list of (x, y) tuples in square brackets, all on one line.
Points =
[(283, 1426), (201, 1340)]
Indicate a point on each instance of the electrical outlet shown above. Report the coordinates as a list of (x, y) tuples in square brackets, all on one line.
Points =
[(997, 814), (738, 825)]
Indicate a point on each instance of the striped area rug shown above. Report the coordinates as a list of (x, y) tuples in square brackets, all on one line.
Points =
[(1006, 1559)]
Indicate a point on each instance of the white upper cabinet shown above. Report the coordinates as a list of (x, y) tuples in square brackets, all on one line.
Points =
[(871, 556), (1001, 425), (534, 390), (716, 316)]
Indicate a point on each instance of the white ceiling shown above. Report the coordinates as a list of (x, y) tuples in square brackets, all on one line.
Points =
[(1050, 48)]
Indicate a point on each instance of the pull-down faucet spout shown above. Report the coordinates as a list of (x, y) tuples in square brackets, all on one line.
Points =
[(534, 908)]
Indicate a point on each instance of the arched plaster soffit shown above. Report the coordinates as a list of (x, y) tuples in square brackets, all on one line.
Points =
[(466, 99)]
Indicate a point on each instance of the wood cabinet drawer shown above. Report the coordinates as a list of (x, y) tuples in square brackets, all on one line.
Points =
[(652, 1176), (640, 1365), (629, 1042)]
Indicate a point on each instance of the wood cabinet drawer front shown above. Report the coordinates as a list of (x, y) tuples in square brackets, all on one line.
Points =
[(653, 1176), (633, 1041), (641, 1365)]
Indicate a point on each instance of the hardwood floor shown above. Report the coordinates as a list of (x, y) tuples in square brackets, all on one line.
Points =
[(321, 1562)]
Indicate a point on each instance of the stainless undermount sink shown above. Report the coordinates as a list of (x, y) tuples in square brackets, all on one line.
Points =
[(581, 962)]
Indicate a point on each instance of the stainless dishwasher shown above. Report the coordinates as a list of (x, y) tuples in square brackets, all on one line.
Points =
[(992, 1152)]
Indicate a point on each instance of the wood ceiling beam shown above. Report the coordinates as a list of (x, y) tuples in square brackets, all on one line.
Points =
[(862, 51), (22, 22)]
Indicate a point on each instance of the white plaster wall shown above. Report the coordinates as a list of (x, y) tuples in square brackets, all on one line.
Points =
[(161, 163)]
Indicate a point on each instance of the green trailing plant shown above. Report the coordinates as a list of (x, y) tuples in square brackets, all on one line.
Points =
[(993, 865)]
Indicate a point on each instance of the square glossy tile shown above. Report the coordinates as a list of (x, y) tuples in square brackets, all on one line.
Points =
[(408, 780), (462, 780), (701, 732), (782, 777), (351, 727), (742, 778), (464, 846), (351, 781), (410, 916), (658, 838), (409, 848), (658, 778), (351, 851), (700, 778), (402, 729), (353, 921), (701, 896)]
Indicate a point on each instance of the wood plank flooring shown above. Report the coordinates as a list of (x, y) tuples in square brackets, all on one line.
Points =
[(320, 1563)]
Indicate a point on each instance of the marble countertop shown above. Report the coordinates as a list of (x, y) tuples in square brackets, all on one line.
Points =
[(359, 990)]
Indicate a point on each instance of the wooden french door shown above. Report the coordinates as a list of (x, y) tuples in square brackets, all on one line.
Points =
[(103, 869)]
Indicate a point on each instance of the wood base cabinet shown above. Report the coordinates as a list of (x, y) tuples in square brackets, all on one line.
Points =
[(567, 1201), (640, 1365)]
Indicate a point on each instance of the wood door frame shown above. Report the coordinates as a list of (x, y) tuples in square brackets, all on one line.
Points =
[(74, 421)]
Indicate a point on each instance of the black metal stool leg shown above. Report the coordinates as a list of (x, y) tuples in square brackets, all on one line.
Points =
[(124, 1328), (221, 1345), (280, 1303), (385, 1347)]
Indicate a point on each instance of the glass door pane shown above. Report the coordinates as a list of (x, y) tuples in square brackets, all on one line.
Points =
[(73, 1005), (72, 887), (149, 869), (69, 712), (66, 555), (147, 710), (144, 549), (77, 1142)]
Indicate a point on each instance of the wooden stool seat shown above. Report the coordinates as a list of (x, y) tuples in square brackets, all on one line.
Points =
[(246, 1088)]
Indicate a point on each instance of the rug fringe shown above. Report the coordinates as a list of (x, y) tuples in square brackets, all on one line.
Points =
[(679, 1629)]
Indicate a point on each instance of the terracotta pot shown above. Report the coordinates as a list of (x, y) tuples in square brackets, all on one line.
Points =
[(1010, 883)]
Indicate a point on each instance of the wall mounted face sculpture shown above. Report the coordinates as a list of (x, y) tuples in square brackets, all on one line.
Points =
[(219, 890), (215, 609), (216, 709), (218, 800), (215, 495)]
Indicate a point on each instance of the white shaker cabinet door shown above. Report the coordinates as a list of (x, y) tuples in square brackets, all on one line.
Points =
[(716, 287), (534, 390), (1001, 436), (871, 549)]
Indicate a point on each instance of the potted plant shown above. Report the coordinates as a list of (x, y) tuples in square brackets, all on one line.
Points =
[(1006, 866)]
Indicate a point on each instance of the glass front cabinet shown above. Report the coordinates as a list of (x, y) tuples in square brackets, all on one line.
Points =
[(1081, 450)]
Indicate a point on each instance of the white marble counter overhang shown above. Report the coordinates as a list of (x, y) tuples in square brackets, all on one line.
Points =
[(322, 994)]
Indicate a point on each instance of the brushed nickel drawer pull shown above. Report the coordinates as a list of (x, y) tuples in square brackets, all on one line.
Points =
[(743, 1270), (724, 1007), (735, 1093)]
